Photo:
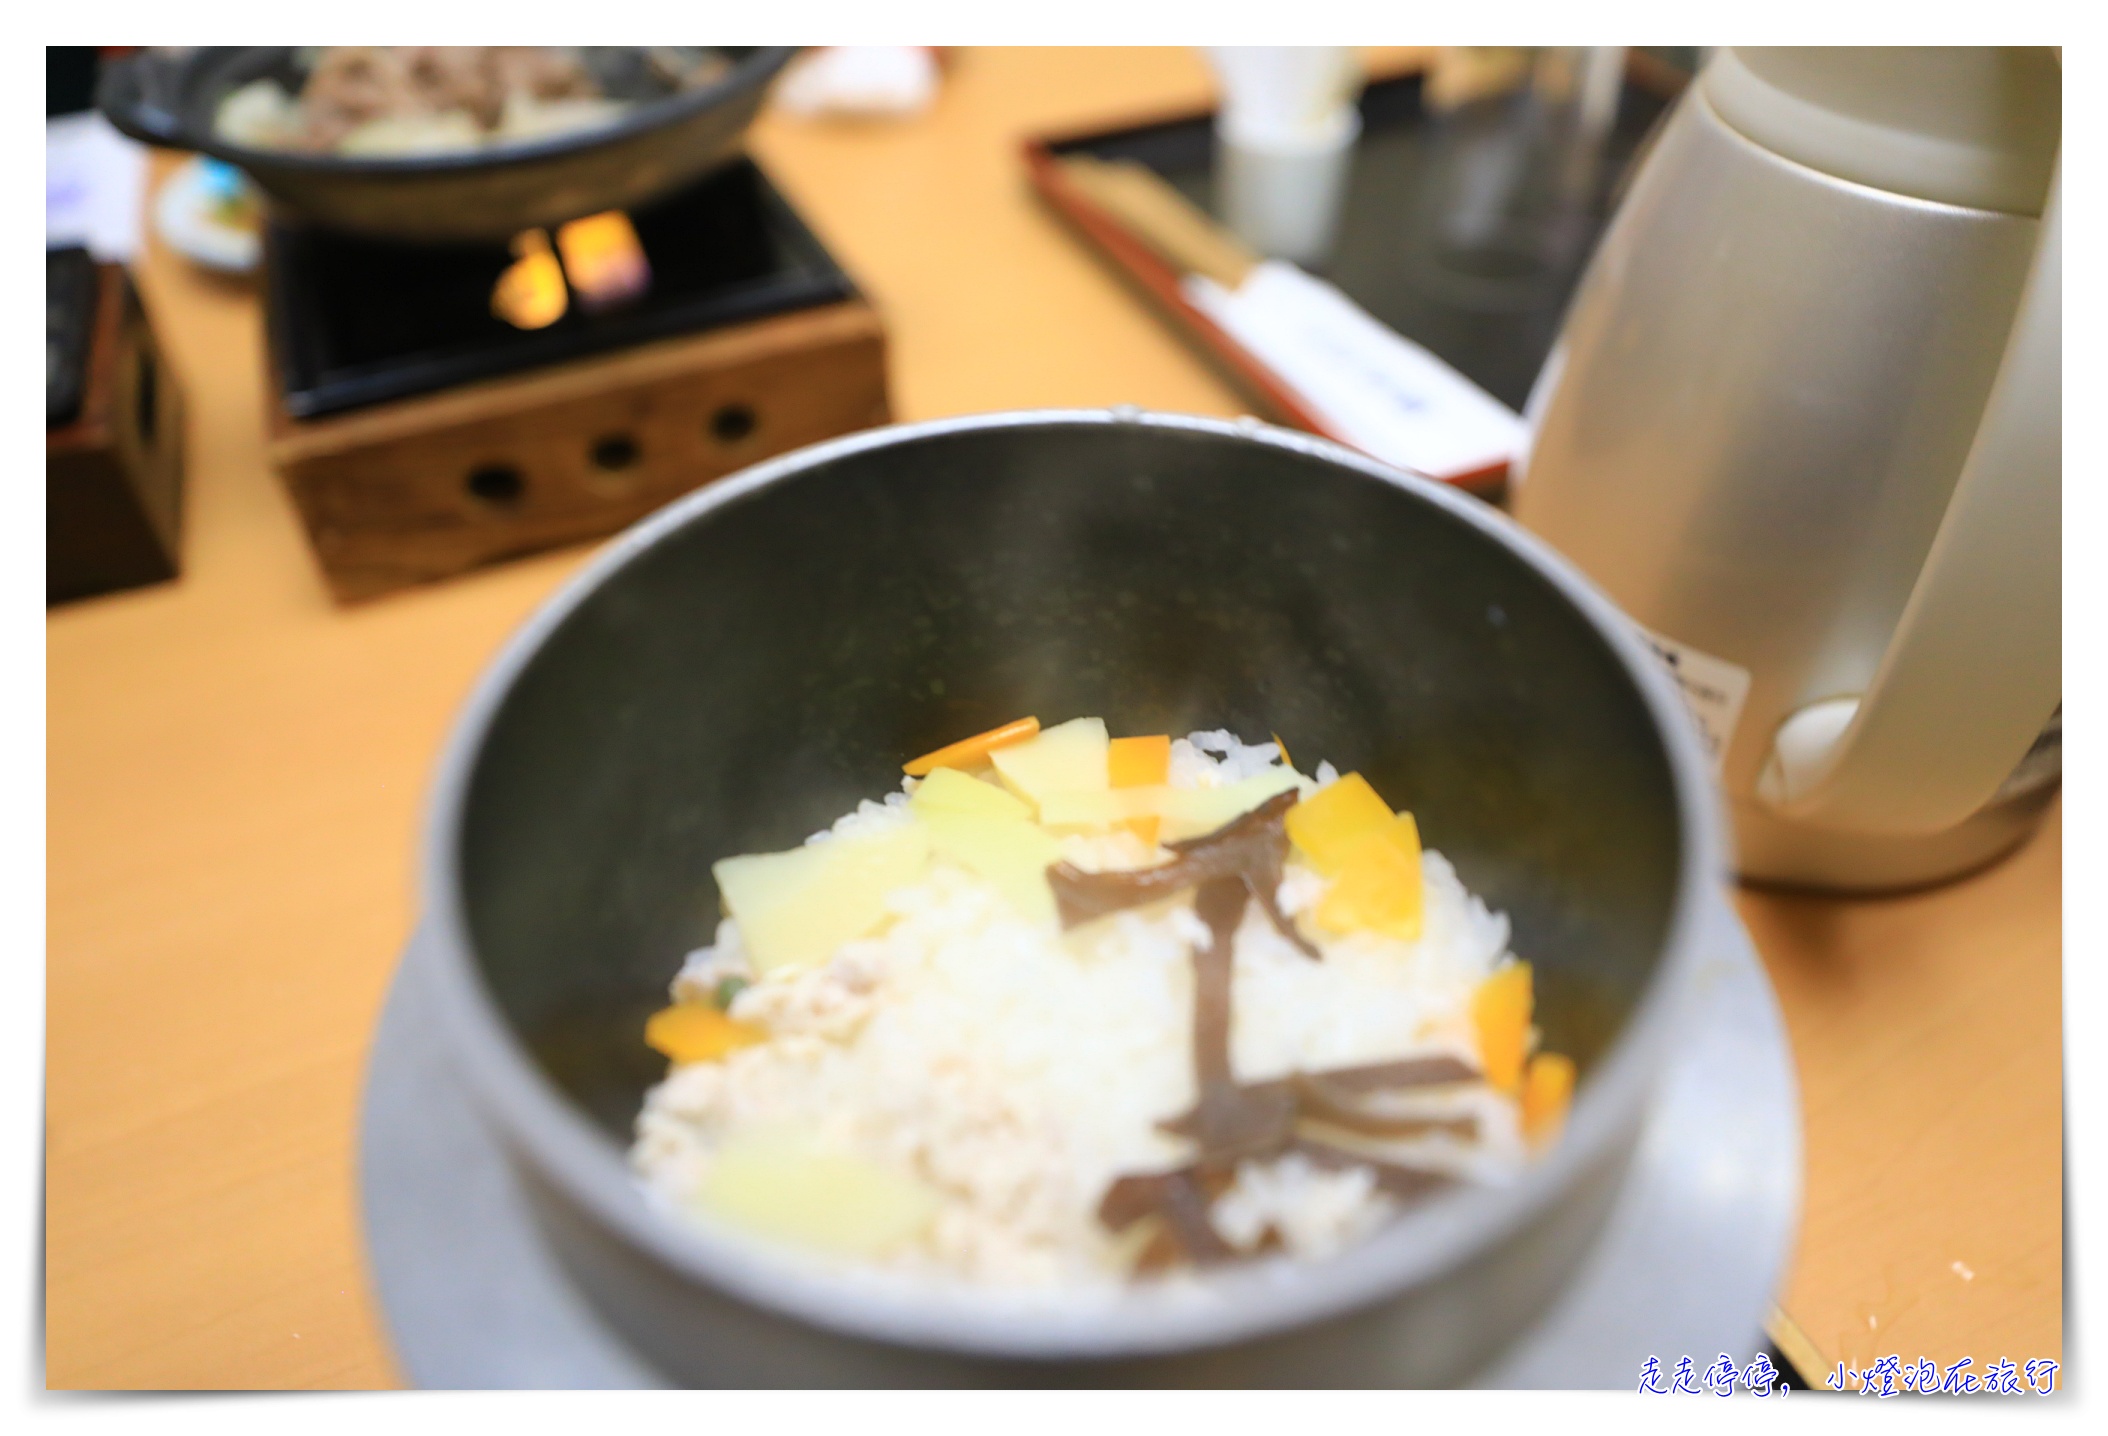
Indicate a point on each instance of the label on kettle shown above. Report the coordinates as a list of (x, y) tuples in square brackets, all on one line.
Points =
[(1713, 689)]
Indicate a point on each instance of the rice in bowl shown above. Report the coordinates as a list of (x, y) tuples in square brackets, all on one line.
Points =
[(989, 1088)]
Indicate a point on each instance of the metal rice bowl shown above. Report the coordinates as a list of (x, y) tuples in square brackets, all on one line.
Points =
[(747, 663)]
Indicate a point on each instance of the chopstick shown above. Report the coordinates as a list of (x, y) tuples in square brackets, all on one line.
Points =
[(1178, 231)]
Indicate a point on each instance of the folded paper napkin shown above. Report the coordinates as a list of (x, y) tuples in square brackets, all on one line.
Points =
[(1372, 386)]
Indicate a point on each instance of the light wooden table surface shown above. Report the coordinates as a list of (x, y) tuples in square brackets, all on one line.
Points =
[(236, 768)]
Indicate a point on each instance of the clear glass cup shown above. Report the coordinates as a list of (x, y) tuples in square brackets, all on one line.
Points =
[(1516, 148)]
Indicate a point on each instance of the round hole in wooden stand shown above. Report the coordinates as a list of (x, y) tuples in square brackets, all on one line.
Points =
[(612, 453), (731, 423), (500, 485)]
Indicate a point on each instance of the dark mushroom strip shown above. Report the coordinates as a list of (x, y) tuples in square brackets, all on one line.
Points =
[(1162, 1251), (1232, 1122), (1179, 1199), (1219, 904), (1080, 896), (1440, 1071), (1251, 1114), (1259, 839), (1321, 1101), (1186, 1215), (1228, 1121), (1252, 1118), (1133, 1197), (1251, 848)]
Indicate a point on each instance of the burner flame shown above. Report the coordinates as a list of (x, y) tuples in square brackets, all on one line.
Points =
[(530, 294), (604, 259), (601, 257)]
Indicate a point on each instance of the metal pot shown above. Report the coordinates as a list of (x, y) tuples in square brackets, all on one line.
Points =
[(173, 98), (745, 665)]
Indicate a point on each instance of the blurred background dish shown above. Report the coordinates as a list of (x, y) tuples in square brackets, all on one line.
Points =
[(207, 212), (861, 83), (445, 99), (672, 137)]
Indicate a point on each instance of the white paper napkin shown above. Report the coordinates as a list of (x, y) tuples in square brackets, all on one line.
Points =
[(1372, 386)]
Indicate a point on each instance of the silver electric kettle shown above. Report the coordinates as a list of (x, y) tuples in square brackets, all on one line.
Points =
[(1802, 424)]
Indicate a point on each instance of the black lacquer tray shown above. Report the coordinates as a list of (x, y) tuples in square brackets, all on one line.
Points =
[(1412, 251)]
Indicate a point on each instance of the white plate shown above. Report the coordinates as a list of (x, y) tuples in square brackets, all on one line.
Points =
[(1687, 1265), (188, 222)]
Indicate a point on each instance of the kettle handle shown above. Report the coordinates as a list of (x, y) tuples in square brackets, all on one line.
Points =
[(1975, 669)]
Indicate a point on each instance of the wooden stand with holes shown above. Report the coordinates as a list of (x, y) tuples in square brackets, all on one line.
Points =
[(428, 487)]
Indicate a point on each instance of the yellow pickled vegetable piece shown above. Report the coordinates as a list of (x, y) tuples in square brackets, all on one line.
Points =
[(1104, 808), (1140, 763), (1547, 1092), (794, 909), (1187, 812), (1325, 825), (1010, 852), (1194, 812), (697, 1032), (968, 751), (1500, 1010), (1378, 887), (1067, 758), (783, 1184), (950, 791)]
